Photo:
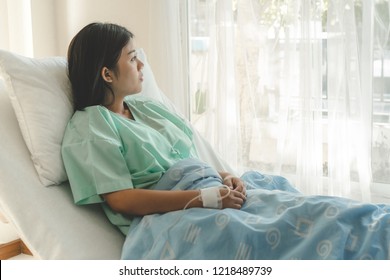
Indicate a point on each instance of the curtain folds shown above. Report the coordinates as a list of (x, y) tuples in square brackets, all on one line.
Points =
[(223, 130), (16, 26), (169, 40), (286, 87)]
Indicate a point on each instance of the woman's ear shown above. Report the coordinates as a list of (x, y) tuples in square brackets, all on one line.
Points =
[(106, 74)]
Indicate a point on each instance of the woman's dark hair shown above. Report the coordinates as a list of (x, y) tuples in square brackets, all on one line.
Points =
[(97, 45)]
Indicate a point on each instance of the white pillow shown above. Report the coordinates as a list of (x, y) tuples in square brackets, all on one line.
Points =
[(40, 94)]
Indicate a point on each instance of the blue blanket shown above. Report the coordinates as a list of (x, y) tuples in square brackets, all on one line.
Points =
[(276, 222)]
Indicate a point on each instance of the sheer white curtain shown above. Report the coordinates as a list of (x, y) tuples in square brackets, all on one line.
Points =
[(349, 104), (29, 27), (16, 26), (168, 40), (213, 76), (285, 87)]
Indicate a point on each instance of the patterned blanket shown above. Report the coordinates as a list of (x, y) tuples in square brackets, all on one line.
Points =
[(275, 222)]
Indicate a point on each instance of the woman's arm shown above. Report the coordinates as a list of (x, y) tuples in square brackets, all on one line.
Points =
[(140, 202)]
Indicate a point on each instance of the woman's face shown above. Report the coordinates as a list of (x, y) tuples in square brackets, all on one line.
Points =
[(127, 77)]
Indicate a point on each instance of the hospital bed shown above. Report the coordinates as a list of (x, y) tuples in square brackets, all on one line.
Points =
[(275, 222), (35, 197)]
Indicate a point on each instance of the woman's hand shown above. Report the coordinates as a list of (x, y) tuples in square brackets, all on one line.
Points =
[(232, 198), (234, 183)]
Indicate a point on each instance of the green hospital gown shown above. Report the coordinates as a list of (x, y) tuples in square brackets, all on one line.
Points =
[(104, 152)]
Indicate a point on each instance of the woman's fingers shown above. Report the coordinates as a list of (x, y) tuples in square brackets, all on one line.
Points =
[(235, 199), (235, 183), (241, 188)]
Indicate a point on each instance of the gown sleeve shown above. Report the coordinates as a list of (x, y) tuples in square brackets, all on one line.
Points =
[(94, 162)]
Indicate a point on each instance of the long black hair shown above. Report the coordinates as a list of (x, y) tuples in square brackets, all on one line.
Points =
[(95, 46)]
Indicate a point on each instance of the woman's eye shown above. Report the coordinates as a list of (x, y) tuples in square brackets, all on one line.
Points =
[(134, 58)]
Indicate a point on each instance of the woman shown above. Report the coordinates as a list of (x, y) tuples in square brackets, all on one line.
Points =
[(138, 160), (115, 148)]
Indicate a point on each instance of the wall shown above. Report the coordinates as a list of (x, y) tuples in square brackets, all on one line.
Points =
[(43, 18), (56, 22), (59, 20), (42, 28)]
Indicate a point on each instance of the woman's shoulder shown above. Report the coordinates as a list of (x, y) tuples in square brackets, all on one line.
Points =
[(138, 99), (147, 105), (89, 123), (88, 115)]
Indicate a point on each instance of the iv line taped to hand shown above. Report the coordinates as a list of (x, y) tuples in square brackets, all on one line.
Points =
[(213, 192), (211, 197)]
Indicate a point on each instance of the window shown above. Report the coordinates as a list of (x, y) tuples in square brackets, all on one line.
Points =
[(301, 99)]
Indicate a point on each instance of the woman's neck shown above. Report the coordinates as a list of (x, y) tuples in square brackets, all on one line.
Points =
[(120, 107), (117, 107)]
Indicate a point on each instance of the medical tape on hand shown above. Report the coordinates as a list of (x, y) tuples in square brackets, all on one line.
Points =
[(211, 197)]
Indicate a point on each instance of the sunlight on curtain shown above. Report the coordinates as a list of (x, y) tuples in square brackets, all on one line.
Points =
[(168, 39), (297, 88), (215, 80), (16, 26)]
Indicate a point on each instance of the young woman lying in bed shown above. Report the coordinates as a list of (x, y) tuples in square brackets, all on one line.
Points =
[(138, 159)]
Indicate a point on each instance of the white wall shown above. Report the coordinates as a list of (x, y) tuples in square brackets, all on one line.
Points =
[(55, 22), (15, 31), (136, 15), (43, 18)]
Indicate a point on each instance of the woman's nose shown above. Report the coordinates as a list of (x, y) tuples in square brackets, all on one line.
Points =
[(140, 64)]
